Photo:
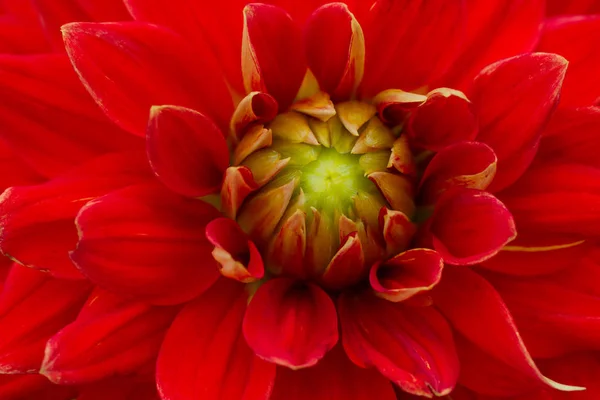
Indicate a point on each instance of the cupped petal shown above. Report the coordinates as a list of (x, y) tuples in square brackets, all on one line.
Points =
[(574, 38), (559, 199), (147, 242), (237, 256), (186, 150), (107, 58), (38, 221), (256, 107), (411, 346), (476, 311), (407, 274), (212, 363), (494, 30), (410, 43), (445, 118), (49, 119), (466, 164), (469, 226), (347, 267), (291, 323), (33, 307), (273, 66), (514, 99), (394, 105), (112, 336), (570, 137), (335, 377), (335, 56)]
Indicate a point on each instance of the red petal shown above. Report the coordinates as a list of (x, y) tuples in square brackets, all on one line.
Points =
[(477, 312), (579, 369), (555, 7), (147, 242), (514, 98), (336, 56), (291, 323), (111, 336), (494, 30), (237, 256), (333, 378), (238, 183), (470, 226), (411, 346), (119, 389), (272, 56), (33, 307), (466, 164), (347, 266), (571, 137), (38, 221), (575, 39), (33, 386), (49, 119), (393, 105), (409, 43), (406, 274), (561, 199), (186, 150), (217, 353), (108, 56), (256, 107), (445, 118), (14, 171)]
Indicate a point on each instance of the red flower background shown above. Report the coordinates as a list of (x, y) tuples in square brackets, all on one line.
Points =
[(189, 215)]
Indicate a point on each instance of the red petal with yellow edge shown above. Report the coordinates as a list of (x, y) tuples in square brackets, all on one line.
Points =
[(410, 43), (34, 386), (467, 164), (148, 242), (397, 230), (112, 335), (425, 126), (217, 353), (335, 56), (288, 247), (41, 217), (237, 256), (275, 66), (559, 319), (469, 226), (571, 137), (291, 323), (411, 346), (406, 274), (494, 30), (514, 99), (578, 369), (333, 378), (481, 317), (33, 307), (256, 107), (49, 119), (347, 266), (238, 183), (574, 38), (107, 57), (186, 150), (393, 105), (559, 199)]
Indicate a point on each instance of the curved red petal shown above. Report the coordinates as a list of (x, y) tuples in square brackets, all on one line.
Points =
[(291, 323), (147, 242)]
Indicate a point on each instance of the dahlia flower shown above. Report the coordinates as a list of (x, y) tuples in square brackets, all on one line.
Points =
[(290, 200)]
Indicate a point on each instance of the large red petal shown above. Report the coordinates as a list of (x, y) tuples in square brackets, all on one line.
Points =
[(38, 221), (187, 151), (33, 386), (494, 30), (575, 39), (411, 346), (477, 312), (410, 43), (291, 323), (111, 336), (580, 369), (559, 199), (273, 59), (33, 307), (48, 118), (204, 355), (514, 99), (335, 56), (333, 378), (146, 241), (123, 66), (127, 388), (469, 226)]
